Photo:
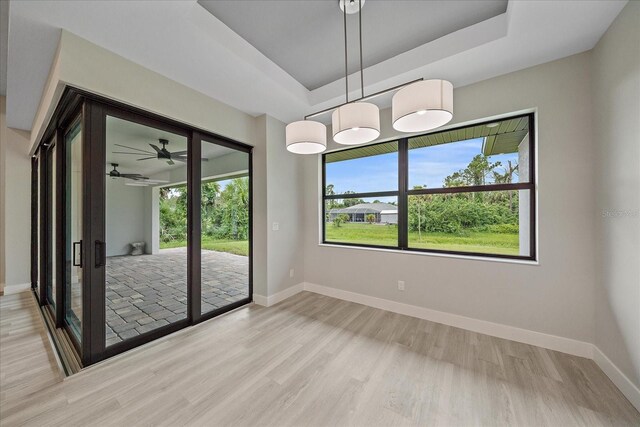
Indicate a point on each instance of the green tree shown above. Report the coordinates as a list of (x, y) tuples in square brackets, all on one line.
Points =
[(371, 218), (173, 213), (350, 202), (234, 211), (224, 214), (209, 202)]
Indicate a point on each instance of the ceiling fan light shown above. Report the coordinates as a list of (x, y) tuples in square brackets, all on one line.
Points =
[(355, 123), (306, 137), (422, 106)]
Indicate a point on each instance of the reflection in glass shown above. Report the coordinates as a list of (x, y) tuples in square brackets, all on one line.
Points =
[(491, 222), (369, 221), (224, 226), (73, 252), (146, 280)]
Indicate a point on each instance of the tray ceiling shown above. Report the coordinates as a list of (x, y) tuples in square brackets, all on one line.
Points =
[(306, 38), (185, 42)]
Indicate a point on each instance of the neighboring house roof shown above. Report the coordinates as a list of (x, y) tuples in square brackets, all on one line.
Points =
[(389, 212), (366, 208)]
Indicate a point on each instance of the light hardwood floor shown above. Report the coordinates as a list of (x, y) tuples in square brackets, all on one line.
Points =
[(310, 360)]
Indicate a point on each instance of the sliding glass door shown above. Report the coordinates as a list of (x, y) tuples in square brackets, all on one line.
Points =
[(51, 249), (142, 226), (224, 226), (146, 230), (74, 227)]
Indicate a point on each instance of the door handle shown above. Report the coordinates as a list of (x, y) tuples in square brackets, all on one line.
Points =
[(75, 251), (101, 253)]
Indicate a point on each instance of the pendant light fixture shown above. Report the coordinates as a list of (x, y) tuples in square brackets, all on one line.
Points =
[(419, 105), (356, 122), (306, 137), (422, 106)]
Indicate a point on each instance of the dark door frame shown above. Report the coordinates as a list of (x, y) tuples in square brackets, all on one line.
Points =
[(93, 111)]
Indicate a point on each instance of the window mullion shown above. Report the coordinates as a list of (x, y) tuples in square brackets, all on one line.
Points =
[(403, 184)]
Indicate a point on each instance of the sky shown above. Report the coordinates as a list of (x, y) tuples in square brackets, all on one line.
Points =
[(427, 166)]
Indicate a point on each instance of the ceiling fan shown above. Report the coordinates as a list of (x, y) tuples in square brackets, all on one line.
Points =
[(160, 153), (115, 173)]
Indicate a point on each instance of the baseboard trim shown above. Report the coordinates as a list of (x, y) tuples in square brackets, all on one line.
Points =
[(278, 297), (626, 386), (551, 342), (260, 299), (15, 289)]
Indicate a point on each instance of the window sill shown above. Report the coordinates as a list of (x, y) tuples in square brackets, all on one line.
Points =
[(434, 254)]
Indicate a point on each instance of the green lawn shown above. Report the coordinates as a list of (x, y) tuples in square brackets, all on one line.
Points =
[(387, 235), (238, 247)]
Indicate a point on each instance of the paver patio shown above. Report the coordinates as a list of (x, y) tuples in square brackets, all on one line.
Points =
[(146, 292)]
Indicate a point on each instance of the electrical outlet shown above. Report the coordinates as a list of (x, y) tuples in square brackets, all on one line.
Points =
[(291, 273), (401, 285), (275, 226)]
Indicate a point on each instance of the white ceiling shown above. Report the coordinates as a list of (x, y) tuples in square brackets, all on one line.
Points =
[(286, 31), (183, 41)]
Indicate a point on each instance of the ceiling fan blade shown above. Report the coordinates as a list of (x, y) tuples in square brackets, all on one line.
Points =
[(147, 158), (179, 153), (131, 175), (170, 162), (155, 148), (133, 148)]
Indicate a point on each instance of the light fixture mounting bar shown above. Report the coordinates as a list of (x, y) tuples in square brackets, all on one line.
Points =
[(346, 60), (360, 34), (373, 95)]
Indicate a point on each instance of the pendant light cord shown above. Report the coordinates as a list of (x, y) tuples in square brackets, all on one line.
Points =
[(346, 72), (360, 31)]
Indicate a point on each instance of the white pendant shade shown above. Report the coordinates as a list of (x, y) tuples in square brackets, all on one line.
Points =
[(422, 106), (356, 123), (306, 137)]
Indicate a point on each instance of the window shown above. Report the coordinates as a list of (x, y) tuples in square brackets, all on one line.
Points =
[(468, 191), (361, 195)]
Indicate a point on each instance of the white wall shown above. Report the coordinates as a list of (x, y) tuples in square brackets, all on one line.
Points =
[(555, 297), (126, 217), (15, 204), (285, 192), (616, 125), (152, 219)]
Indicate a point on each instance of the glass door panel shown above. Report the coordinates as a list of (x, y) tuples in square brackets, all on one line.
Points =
[(51, 226), (224, 225), (146, 229), (74, 229), (38, 253)]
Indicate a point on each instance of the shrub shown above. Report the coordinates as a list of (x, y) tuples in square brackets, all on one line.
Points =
[(504, 228), (461, 213)]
